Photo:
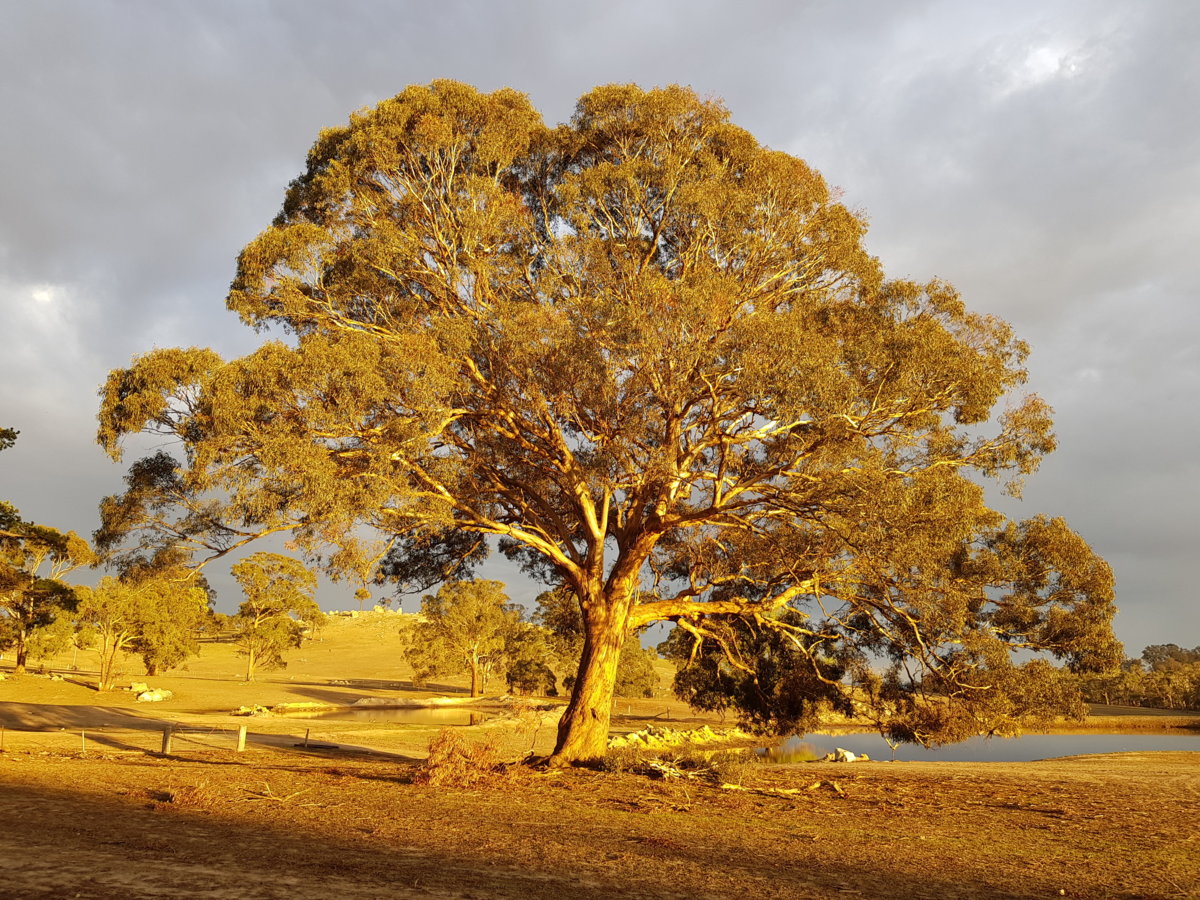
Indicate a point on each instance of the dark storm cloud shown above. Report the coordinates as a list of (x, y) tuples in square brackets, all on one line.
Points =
[(1043, 157)]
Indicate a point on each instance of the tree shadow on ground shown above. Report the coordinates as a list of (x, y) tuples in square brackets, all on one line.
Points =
[(123, 730), (308, 838), (46, 716), (290, 746), (347, 694)]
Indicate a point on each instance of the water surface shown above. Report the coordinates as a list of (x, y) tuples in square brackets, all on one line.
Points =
[(983, 749)]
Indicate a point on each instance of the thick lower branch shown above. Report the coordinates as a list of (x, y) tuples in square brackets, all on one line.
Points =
[(658, 610)]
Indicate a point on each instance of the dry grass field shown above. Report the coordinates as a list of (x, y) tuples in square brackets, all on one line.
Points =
[(89, 807)]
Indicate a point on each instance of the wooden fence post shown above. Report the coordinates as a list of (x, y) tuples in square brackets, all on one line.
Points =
[(166, 741), (241, 738)]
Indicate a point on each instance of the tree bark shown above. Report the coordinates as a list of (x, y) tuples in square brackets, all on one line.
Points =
[(22, 655), (583, 728), (108, 662), (475, 688)]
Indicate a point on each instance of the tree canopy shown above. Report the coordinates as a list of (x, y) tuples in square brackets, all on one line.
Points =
[(279, 604), (649, 357), (132, 614), (34, 559), (465, 627)]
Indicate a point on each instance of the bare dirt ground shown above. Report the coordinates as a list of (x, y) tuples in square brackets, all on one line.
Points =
[(273, 823), (89, 808)]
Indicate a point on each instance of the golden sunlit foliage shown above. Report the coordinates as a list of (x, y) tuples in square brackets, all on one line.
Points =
[(33, 561), (122, 612), (279, 606), (465, 626), (653, 361)]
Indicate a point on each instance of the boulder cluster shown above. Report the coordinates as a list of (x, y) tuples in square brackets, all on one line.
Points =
[(661, 738)]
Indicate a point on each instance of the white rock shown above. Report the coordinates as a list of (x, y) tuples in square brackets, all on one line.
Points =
[(154, 696)]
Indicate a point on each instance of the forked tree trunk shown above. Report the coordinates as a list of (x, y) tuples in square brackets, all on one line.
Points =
[(583, 728), (108, 662), (476, 689), (104, 681)]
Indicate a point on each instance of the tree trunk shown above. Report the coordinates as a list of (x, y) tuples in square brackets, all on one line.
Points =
[(249, 665), (476, 690), (583, 728), (108, 662), (22, 655)]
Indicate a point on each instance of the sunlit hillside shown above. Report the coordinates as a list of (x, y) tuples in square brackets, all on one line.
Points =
[(354, 655)]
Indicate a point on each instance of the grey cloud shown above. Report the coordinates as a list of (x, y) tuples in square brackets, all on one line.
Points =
[(146, 142)]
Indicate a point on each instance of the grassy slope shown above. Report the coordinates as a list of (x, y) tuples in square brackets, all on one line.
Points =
[(352, 658)]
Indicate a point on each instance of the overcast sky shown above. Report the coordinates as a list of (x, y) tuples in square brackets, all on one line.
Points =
[(1042, 156)]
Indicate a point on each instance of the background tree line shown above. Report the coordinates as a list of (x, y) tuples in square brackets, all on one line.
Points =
[(1166, 676), (155, 607)]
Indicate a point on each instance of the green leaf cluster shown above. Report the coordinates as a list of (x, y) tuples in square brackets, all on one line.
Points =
[(467, 627), (279, 609)]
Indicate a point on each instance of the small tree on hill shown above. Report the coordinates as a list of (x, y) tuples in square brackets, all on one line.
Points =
[(48, 641), (33, 561), (171, 633), (528, 653), (114, 611), (178, 602), (464, 627), (279, 605), (636, 676), (122, 612)]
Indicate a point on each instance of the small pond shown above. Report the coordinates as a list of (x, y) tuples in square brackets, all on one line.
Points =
[(983, 749), (438, 715)]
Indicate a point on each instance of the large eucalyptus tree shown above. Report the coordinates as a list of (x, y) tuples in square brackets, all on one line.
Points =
[(648, 356)]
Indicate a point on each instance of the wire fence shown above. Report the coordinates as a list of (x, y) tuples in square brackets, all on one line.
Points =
[(175, 740)]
